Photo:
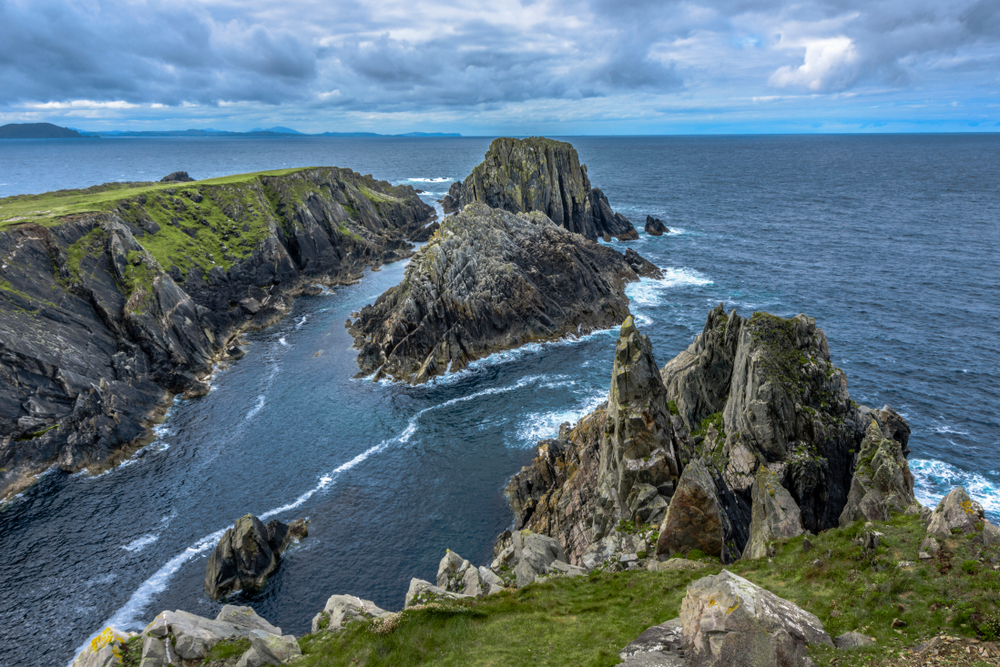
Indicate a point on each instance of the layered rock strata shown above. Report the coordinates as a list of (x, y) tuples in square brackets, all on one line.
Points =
[(745, 438), (489, 280), (538, 174), (248, 553), (104, 315)]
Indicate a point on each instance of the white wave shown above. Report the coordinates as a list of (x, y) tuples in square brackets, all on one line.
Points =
[(141, 543), (261, 400), (439, 179), (946, 428), (648, 291), (541, 425), (298, 325), (934, 479), (283, 341)]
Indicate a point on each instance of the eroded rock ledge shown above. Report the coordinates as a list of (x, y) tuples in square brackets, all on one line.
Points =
[(538, 174), (104, 315), (490, 280)]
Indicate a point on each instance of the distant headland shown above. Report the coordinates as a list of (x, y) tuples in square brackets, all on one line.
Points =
[(50, 131)]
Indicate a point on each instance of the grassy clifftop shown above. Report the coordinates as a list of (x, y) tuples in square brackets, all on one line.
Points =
[(587, 620)]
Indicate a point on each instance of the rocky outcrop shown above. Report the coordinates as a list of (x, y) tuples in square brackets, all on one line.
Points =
[(246, 555), (104, 315), (450, 202), (342, 609), (728, 621), (537, 174), (774, 515), (655, 226), (489, 280), (956, 512), (639, 461), (882, 484), (642, 266), (176, 177), (755, 416)]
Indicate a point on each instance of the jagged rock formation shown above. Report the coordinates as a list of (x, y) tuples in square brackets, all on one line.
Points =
[(538, 174), (247, 554), (450, 202), (956, 512), (176, 177), (104, 315), (642, 266), (882, 484), (489, 280), (655, 226), (753, 413)]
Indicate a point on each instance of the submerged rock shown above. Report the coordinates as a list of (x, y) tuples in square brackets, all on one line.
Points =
[(538, 174), (246, 555), (489, 280)]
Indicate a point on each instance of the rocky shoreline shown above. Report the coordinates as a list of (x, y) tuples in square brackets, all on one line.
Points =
[(104, 316)]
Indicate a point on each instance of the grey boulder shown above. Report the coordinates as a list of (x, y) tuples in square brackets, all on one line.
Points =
[(659, 646), (342, 609), (424, 592), (852, 639), (956, 511), (539, 555), (731, 622), (775, 516), (269, 649)]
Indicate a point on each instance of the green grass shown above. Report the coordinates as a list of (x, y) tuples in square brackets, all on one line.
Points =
[(46, 209), (587, 620), (230, 648)]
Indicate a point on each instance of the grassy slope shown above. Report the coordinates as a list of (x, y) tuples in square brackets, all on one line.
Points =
[(46, 209), (587, 620)]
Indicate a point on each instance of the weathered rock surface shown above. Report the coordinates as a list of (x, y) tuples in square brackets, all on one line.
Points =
[(639, 462), (728, 621), (458, 575), (342, 609), (642, 266), (104, 315), (882, 484), (655, 226), (246, 556), (659, 646), (749, 399), (956, 511), (774, 515), (103, 650), (450, 202), (696, 518), (852, 639), (424, 592), (539, 555), (489, 280), (537, 174), (269, 649)]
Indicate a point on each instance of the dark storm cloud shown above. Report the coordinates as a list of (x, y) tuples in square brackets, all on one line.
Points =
[(408, 56)]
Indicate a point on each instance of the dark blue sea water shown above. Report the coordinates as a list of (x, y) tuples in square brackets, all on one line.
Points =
[(891, 242)]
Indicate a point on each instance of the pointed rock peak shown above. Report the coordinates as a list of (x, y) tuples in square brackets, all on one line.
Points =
[(635, 376)]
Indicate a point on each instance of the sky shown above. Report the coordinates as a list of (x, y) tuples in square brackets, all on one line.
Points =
[(556, 67)]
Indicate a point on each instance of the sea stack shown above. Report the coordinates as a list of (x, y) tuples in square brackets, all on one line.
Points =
[(538, 174)]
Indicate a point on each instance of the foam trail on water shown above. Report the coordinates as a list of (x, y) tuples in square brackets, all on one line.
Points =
[(261, 400), (141, 543), (933, 480), (440, 179), (647, 292)]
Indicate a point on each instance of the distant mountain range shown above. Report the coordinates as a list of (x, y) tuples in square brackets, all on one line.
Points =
[(50, 131)]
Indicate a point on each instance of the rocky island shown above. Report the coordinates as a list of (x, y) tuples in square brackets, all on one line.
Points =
[(115, 298), (538, 174), (490, 280)]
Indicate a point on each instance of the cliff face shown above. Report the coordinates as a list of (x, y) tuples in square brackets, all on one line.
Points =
[(489, 280), (104, 314), (537, 174), (751, 399)]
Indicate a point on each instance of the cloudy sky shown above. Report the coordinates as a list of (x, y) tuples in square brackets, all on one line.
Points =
[(552, 66)]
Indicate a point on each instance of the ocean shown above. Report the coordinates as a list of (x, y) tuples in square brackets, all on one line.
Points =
[(891, 242)]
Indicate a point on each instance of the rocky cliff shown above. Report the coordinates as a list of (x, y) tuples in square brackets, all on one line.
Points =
[(115, 297), (489, 280), (537, 174), (747, 436)]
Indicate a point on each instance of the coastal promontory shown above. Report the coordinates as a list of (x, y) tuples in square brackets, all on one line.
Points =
[(490, 280)]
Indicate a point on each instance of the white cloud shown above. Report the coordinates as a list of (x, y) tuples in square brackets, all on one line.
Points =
[(830, 64)]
